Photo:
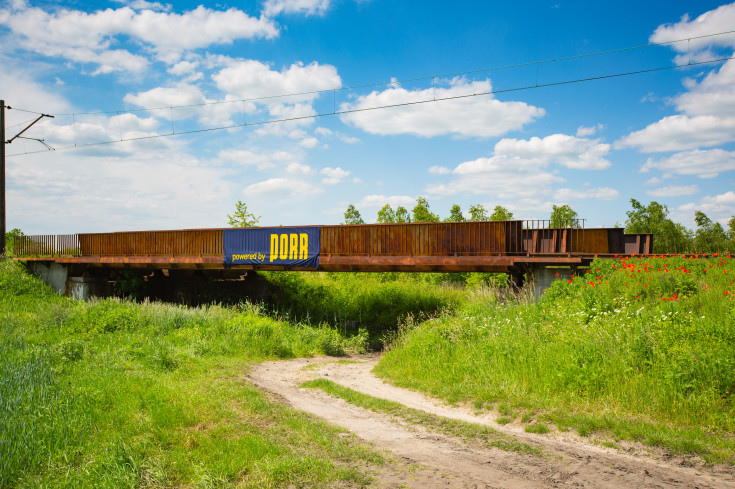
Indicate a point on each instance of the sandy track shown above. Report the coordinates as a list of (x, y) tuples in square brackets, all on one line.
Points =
[(448, 462)]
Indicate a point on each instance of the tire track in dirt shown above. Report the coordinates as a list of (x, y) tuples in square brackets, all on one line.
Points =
[(569, 461)]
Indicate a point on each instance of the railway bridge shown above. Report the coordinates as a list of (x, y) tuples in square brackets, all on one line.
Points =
[(518, 248)]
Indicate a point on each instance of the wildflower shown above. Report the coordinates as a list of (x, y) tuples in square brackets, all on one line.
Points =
[(557, 274)]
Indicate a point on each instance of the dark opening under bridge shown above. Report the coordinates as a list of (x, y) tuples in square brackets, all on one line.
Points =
[(499, 246)]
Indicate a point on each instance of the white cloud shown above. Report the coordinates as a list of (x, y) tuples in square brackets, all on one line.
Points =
[(328, 133), (333, 175), (719, 208), (482, 116), (260, 160), (702, 163), (720, 19), (583, 131), (295, 189), (653, 181), (714, 95), (272, 8), (309, 142), (518, 164), (298, 168), (568, 151), (251, 79), (681, 132), (600, 193), (439, 170), (86, 37), (376, 200), (674, 191)]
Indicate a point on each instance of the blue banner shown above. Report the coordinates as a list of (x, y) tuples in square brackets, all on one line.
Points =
[(296, 247)]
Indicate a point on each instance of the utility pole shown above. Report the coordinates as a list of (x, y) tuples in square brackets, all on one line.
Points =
[(2, 176), (3, 142)]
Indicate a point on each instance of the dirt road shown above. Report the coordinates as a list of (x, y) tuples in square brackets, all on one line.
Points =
[(428, 459)]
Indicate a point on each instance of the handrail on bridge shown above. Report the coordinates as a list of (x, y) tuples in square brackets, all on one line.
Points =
[(487, 238)]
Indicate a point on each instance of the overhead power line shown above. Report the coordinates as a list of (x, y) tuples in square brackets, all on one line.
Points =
[(386, 106)]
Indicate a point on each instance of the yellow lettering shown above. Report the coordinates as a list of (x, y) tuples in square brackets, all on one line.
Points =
[(283, 254), (304, 246), (274, 247), (293, 251)]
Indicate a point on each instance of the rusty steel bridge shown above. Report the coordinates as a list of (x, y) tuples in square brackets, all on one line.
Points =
[(511, 247)]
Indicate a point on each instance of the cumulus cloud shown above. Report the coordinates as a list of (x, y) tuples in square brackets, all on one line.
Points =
[(376, 200), (583, 131), (719, 208), (272, 8), (681, 132), (298, 168), (702, 163), (600, 193), (86, 37), (519, 164), (673, 191), (706, 108), (720, 19), (467, 116), (261, 161), (568, 151), (251, 79), (282, 186), (439, 170), (333, 175)]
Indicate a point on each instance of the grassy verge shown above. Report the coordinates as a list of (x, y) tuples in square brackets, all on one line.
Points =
[(373, 301), (467, 431), (640, 349), (116, 394)]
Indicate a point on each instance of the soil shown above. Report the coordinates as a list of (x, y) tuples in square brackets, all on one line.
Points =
[(420, 458)]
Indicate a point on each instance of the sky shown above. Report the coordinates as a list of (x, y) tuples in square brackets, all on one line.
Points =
[(165, 115)]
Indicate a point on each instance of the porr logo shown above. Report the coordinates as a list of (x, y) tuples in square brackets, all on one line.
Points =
[(294, 246)]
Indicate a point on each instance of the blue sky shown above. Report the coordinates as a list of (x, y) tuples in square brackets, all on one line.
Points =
[(100, 67)]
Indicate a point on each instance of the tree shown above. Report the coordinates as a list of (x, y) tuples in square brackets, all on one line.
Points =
[(668, 236), (731, 228), (402, 215), (421, 212), (478, 213), (500, 213), (9, 240), (710, 235), (455, 214), (386, 214), (352, 216), (241, 217), (563, 217)]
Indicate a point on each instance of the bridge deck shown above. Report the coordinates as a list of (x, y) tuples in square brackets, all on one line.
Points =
[(501, 246)]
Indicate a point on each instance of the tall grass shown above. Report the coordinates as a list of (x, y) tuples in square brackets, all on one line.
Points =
[(633, 347), (376, 302), (111, 393)]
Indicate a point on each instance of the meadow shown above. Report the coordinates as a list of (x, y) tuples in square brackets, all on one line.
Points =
[(114, 393), (639, 349), (119, 393)]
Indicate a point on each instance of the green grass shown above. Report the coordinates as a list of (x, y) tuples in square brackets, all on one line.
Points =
[(115, 394), (466, 431), (642, 349)]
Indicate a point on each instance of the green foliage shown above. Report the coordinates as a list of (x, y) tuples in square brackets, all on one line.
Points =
[(653, 218), (9, 238), (421, 212), (375, 301), (710, 236), (386, 214), (478, 213), (402, 215), (241, 218), (500, 213), (641, 349), (455, 214), (111, 393), (563, 217), (352, 216)]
